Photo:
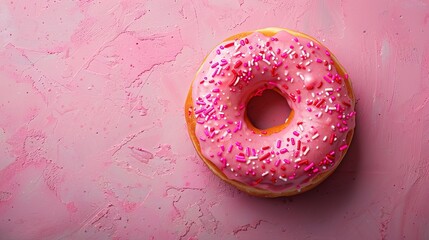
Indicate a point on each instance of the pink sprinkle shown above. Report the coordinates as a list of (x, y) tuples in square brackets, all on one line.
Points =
[(319, 60), (208, 110), (223, 160), (222, 148), (230, 148), (216, 90), (214, 65), (248, 151), (199, 111), (279, 143), (327, 53), (327, 79), (309, 167), (206, 132), (287, 161), (283, 150), (344, 147), (295, 133), (277, 163)]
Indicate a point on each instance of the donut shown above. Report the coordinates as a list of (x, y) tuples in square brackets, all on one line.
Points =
[(283, 160)]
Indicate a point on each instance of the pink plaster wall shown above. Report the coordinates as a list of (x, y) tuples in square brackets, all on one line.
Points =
[(93, 142)]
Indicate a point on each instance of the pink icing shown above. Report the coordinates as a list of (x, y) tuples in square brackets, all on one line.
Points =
[(303, 72)]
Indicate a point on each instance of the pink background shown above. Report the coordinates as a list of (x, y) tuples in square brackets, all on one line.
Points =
[(93, 141)]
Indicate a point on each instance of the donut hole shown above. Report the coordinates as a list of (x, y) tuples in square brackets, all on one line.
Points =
[(268, 110)]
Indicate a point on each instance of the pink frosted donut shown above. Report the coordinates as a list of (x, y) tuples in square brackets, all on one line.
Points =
[(286, 159)]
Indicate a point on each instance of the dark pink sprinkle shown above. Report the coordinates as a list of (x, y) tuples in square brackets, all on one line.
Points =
[(279, 143), (283, 150), (319, 60), (199, 111), (343, 147), (327, 53), (295, 133)]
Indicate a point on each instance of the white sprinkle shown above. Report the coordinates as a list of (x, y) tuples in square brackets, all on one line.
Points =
[(224, 134), (253, 157), (236, 54), (282, 178), (332, 108), (297, 160), (313, 95), (236, 81), (329, 89), (315, 136), (311, 43), (326, 108), (308, 63), (301, 127), (302, 77), (325, 138), (306, 151), (265, 174), (329, 67), (286, 72), (237, 46), (266, 61)]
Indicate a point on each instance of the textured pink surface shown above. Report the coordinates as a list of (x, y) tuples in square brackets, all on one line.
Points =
[(94, 144)]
